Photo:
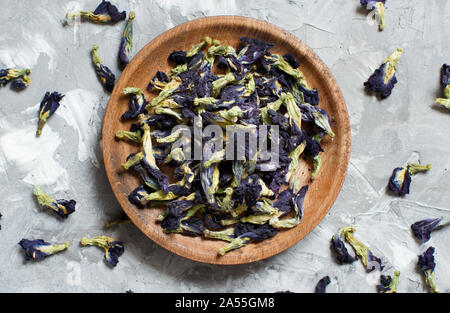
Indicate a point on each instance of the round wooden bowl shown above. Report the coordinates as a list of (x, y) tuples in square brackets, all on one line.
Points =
[(228, 29)]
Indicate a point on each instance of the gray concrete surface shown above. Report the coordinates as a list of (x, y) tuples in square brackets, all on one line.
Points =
[(67, 160)]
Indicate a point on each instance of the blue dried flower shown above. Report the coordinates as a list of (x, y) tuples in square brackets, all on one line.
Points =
[(39, 249), (62, 207), (388, 284), (137, 196), (126, 43), (138, 103), (284, 201), (400, 181), (379, 7), (104, 13), (401, 177), (49, 104), (158, 82), (310, 96), (384, 79), (178, 57), (341, 251), (369, 260), (149, 162), (253, 50), (426, 264), (107, 78), (243, 234), (18, 84), (422, 229), (255, 232), (177, 207), (445, 82), (18, 77), (186, 223), (321, 286), (292, 60), (113, 248)]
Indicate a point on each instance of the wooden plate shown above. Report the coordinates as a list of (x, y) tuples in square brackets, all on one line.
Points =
[(228, 29)]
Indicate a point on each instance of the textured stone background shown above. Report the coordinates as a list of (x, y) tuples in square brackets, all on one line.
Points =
[(67, 159)]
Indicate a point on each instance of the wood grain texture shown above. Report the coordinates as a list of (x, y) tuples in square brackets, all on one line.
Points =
[(228, 29)]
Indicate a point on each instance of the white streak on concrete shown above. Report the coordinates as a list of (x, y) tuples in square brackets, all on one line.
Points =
[(25, 53), (34, 157), (79, 109)]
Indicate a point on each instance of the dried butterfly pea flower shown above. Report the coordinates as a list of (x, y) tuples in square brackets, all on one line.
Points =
[(225, 235), (293, 110), (298, 210), (445, 83), (321, 286), (62, 207), (137, 196), (106, 77), (135, 136), (236, 243), (444, 102), (189, 59), (400, 181), (158, 82), (232, 114), (426, 264), (401, 177), (149, 162), (48, 106), (384, 78), (178, 57), (245, 233), (369, 260), (195, 49), (19, 84), (166, 92), (19, 78), (227, 58), (422, 229), (104, 13), (291, 59), (445, 80), (218, 84), (186, 223), (313, 149), (290, 177), (310, 96), (253, 50), (284, 203), (379, 7), (113, 248), (388, 284), (39, 249), (126, 43), (342, 255), (280, 63), (138, 103)]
